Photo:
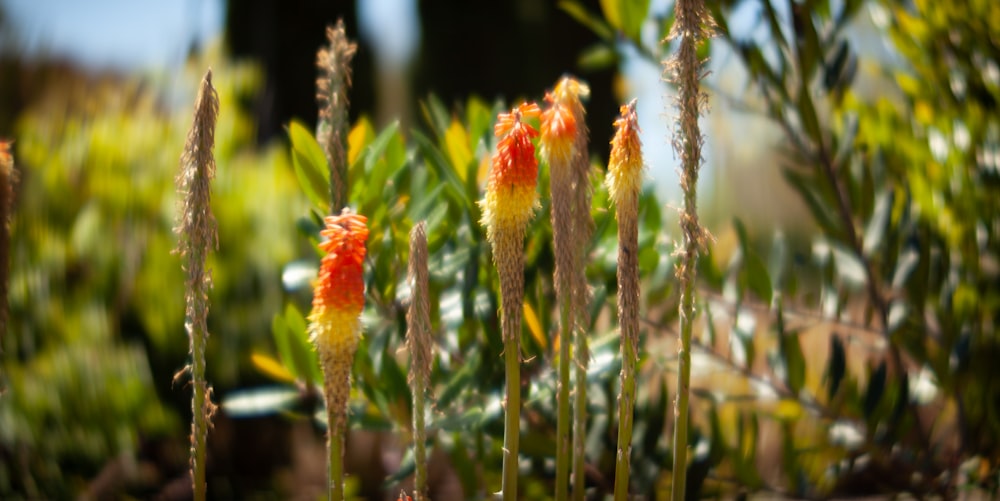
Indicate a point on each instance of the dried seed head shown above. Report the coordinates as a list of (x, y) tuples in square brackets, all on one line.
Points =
[(334, 63), (196, 223), (418, 320)]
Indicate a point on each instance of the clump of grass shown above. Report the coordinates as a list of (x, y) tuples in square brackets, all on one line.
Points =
[(624, 180), (334, 64), (418, 341), (693, 24), (197, 231), (335, 327), (510, 203)]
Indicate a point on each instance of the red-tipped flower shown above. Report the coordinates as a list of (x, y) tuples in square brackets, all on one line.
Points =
[(341, 283), (561, 121), (625, 168), (511, 195)]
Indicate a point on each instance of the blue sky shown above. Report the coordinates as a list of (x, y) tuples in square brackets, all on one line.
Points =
[(121, 34)]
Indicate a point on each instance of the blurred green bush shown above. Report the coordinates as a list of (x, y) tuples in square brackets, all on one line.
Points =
[(96, 294)]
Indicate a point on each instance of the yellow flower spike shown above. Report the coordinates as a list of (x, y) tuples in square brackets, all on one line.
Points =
[(335, 325), (624, 178)]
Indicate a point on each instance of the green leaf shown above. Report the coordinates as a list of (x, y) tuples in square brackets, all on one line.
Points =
[(302, 352), (436, 114), (311, 167), (461, 380), (795, 363), (479, 120), (379, 168), (807, 113), (633, 15), (850, 269), (835, 67), (612, 10), (876, 387), (259, 402), (757, 278), (837, 367), (877, 227), (597, 57), (443, 168), (281, 334), (405, 469), (772, 19), (754, 270), (471, 419), (588, 19), (821, 212)]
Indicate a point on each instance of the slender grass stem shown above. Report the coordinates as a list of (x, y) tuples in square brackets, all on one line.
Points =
[(197, 236), (420, 477), (692, 25)]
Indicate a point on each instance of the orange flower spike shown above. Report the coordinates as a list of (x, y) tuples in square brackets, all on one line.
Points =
[(511, 196), (341, 279), (625, 168), (561, 120)]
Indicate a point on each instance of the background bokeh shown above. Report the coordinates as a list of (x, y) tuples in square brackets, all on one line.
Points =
[(849, 143)]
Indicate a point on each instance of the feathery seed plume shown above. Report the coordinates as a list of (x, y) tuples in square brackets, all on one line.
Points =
[(334, 63)]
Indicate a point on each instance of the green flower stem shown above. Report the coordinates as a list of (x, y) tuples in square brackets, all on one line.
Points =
[(563, 423), (200, 416), (420, 481), (336, 451), (580, 417), (512, 417), (628, 318), (683, 389), (625, 411), (692, 25)]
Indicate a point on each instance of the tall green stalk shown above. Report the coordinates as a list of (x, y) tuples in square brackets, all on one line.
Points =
[(624, 181), (197, 235), (512, 418), (563, 423), (692, 26)]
